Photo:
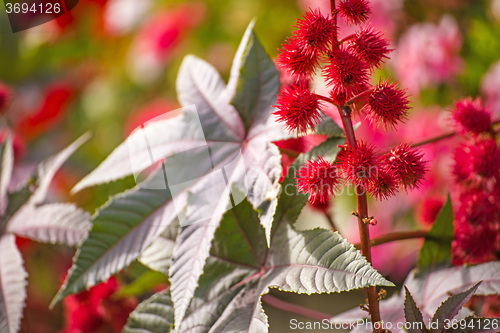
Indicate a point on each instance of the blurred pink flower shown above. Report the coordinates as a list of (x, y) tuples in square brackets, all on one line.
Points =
[(158, 38), (489, 88), (428, 54)]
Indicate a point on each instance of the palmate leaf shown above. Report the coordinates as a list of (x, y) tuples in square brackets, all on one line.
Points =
[(12, 285), (27, 215), (158, 256), (430, 290), (241, 268), (205, 150)]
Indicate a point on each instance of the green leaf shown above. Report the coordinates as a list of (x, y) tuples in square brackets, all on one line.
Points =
[(122, 229), (255, 79), (241, 268), (256, 169), (413, 314), (12, 285), (208, 124), (449, 309), (436, 250), (327, 149), (144, 283), (158, 256), (36, 187), (60, 223), (6, 165), (328, 127), (154, 315)]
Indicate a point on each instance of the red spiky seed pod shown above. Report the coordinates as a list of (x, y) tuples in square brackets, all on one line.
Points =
[(315, 31), (387, 105), (296, 60), (370, 45), (471, 116), (4, 97), (347, 72), (318, 178), (383, 186), (354, 11), (359, 164), (298, 108), (477, 162), (407, 164)]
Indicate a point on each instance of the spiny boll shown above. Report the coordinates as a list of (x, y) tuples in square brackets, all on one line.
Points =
[(474, 244), (318, 178), (359, 164), (477, 162), (296, 60), (407, 164), (346, 72), (298, 108), (387, 105), (354, 11), (383, 186), (371, 45), (471, 116), (315, 31)]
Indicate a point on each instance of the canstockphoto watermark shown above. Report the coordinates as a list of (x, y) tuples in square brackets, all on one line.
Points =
[(172, 154), (26, 14), (329, 325), (473, 324)]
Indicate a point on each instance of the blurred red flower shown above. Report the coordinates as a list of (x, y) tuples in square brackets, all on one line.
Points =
[(97, 310), (49, 112)]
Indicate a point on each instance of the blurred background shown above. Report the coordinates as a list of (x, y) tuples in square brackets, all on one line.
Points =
[(108, 66)]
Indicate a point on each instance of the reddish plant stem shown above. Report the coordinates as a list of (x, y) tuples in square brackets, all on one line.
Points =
[(293, 308), (330, 221), (395, 236), (364, 232), (324, 98), (362, 214), (443, 136), (434, 139), (334, 15)]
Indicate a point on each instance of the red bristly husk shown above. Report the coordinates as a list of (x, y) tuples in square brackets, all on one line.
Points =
[(315, 31), (471, 116), (360, 165), (296, 60), (354, 11), (347, 73), (384, 185), (298, 108), (407, 164), (318, 178), (387, 105), (370, 45), (477, 162)]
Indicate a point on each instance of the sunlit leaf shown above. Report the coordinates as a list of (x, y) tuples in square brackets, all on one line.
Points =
[(436, 250), (12, 285)]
